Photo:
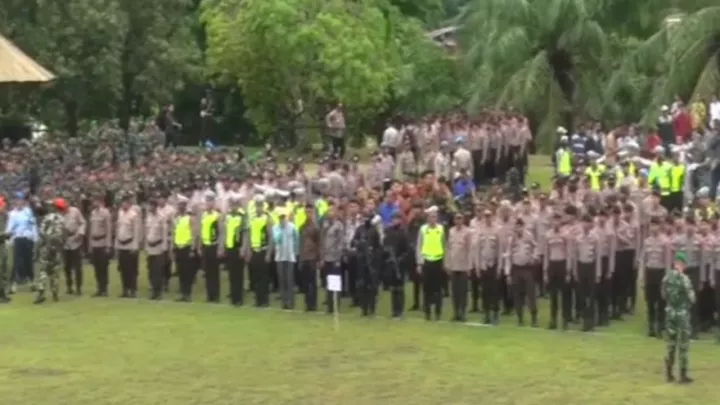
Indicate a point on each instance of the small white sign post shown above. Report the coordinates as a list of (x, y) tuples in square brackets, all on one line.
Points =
[(334, 284)]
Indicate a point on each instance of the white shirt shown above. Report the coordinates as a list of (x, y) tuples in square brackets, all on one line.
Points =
[(714, 111), (391, 137)]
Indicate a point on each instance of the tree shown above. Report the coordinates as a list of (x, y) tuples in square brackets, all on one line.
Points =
[(76, 40), (427, 79), (111, 57), (158, 52), (292, 58), (543, 58), (682, 57)]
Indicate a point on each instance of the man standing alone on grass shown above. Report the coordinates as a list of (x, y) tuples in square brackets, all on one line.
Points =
[(678, 292), (335, 122), (50, 247)]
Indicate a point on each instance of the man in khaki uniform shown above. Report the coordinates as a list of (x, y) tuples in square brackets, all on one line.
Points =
[(128, 239), (100, 243), (167, 210), (520, 257), (72, 255), (487, 241), (458, 262), (156, 248)]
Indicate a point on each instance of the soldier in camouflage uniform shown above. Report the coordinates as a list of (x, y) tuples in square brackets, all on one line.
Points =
[(678, 292), (49, 250)]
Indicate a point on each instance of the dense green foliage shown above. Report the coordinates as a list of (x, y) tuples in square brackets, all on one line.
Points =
[(564, 61), (276, 66)]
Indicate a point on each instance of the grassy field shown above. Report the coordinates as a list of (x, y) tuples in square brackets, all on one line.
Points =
[(89, 351)]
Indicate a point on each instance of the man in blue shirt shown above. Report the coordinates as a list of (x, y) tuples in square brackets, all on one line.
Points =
[(287, 249), (464, 186), (23, 231), (388, 208)]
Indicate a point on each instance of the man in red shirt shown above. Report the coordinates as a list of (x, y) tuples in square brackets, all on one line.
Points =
[(682, 124)]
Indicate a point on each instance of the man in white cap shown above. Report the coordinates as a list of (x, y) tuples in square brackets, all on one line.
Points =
[(234, 244), (258, 252), (659, 176), (211, 233), (563, 155), (185, 244), (430, 254)]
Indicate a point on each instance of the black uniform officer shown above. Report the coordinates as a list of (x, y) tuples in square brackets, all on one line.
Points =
[(398, 251), (367, 243)]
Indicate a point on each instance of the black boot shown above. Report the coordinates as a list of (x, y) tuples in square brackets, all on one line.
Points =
[(684, 379), (668, 371), (40, 298)]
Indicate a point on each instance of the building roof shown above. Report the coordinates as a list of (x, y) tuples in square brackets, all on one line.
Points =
[(442, 31), (17, 67)]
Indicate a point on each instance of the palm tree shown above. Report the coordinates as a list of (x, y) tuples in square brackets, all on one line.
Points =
[(542, 57), (681, 58)]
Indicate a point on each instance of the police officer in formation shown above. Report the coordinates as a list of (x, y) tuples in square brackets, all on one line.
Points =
[(588, 242), (367, 244), (398, 250)]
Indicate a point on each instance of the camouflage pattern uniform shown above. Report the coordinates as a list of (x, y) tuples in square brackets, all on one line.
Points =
[(49, 249), (680, 296)]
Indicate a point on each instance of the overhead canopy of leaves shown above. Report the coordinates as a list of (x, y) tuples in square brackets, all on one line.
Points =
[(111, 57), (317, 51), (566, 61)]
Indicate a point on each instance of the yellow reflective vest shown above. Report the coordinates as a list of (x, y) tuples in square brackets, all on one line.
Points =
[(322, 207), (182, 234), (564, 164), (659, 175), (258, 232), (233, 224), (300, 217), (209, 228), (595, 174), (433, 242), (677, 178)]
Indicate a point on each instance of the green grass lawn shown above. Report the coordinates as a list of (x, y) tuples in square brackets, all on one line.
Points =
[(88, 351), (105, 351)]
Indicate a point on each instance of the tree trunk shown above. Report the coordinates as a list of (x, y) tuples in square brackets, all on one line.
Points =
[(71, 115), (125, 110)]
